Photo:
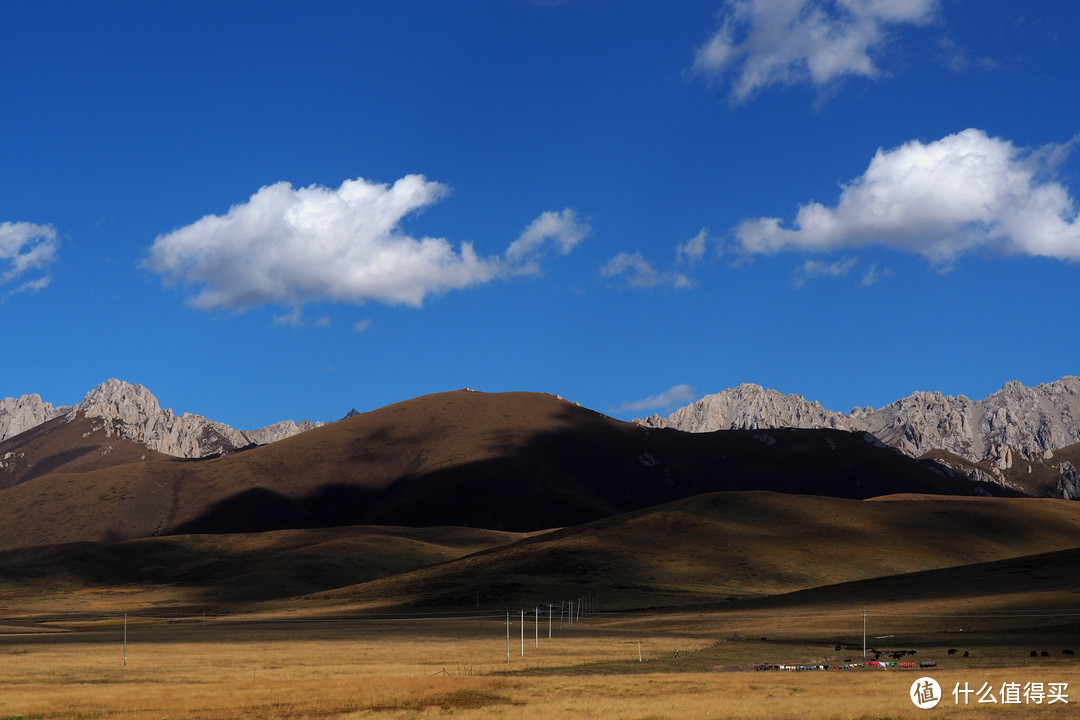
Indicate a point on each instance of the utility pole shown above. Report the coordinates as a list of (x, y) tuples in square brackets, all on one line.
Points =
[(507, 637), (864, 635), (549, 621), (125, 639), (536, 624), (522, 633)]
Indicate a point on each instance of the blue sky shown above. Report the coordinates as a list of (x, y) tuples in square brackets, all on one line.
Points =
[(276, 210)]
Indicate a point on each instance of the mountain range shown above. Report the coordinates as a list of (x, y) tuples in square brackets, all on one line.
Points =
[(132, 412), (500, 461), (461, 497), (1020, 437)]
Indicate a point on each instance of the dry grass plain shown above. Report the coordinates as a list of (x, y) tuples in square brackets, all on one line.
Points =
[(994, 578), (438, 667)]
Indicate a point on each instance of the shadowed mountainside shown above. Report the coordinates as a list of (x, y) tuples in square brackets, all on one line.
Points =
[(503, 461)]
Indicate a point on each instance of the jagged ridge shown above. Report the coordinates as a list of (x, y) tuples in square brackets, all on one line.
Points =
[(132, 411), (1015, 423)]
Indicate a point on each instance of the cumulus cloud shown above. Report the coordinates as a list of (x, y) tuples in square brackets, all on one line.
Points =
[(679, 394), (639, 273), (782, 42), (361, 325), (939, 199), (25, 247), (296, 245)]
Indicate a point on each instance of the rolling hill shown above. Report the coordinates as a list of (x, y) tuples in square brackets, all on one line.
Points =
[(723, 546), (502, 461), (712, 548)]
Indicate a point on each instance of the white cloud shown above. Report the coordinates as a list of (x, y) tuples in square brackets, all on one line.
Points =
[(813, 269), (873, 274), (939, 199), (641, 274), (679, 394), (293, 318), (692, 250), (563, 229), (362, 325), (24, 247), (296, 245), (766, 42), (32, 285), (960, 60)]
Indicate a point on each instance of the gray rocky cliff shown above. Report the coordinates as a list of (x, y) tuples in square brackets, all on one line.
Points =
[(1013, 425), (17, 415), (132, 411)]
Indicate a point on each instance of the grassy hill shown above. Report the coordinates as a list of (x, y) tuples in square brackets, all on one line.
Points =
[(182, 572), (503, 461), (724, 546), (706, 549)]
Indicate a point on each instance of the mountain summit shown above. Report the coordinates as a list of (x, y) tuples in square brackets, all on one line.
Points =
[(1005, 437), (132, 411)]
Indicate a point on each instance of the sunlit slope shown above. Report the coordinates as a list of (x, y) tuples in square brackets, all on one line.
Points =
[(61, 445), (726, 545)]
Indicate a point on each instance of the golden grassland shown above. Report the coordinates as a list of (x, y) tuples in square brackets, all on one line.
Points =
[(412, 643), (437, 667)]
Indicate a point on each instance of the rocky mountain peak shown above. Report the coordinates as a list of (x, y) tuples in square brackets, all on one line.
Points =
[(121, 402), (1014, 424), (17, 415), (133, 412)]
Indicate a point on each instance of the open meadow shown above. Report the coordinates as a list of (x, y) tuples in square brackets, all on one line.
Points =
[(431, 666), (707, 590)]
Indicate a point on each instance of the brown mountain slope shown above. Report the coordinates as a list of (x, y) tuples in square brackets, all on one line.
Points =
[(509, 461), (725, 545), (78, 445)]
